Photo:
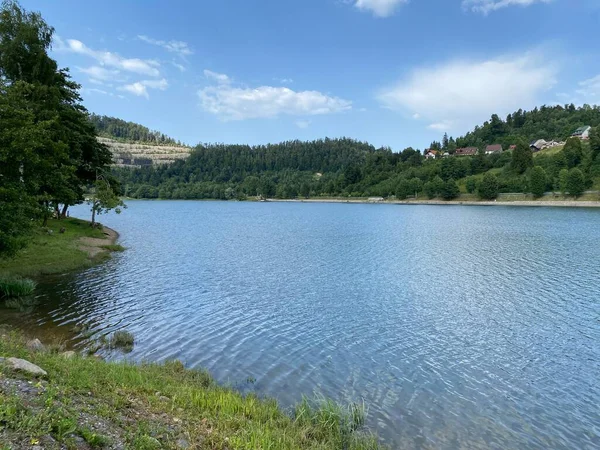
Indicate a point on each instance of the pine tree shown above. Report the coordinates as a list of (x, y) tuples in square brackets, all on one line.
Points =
[(538, 181)]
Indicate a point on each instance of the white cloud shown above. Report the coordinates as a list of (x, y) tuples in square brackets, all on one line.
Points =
[(487, 6), (239, 103), (592, 83), (441, 126), (99, 73), (179, 47), (303, 123), (135, 65), (181, 67), (136, 88), (140, 88), (284, 80), (470, 91), (416, 116), (379, 8), (220, 78)]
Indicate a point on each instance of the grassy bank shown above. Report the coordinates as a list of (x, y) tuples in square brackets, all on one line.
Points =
[(50, 251), (88, 403)]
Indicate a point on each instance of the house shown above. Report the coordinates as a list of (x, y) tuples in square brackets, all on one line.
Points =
[(538, 145), (512, 147), (467, 151), (582, 133), (431, 154), (494, 148)]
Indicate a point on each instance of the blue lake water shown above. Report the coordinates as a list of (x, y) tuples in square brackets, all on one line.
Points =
[(459, 327)]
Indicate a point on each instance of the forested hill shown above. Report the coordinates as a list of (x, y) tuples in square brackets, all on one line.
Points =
[(546, 122), (113, 128)]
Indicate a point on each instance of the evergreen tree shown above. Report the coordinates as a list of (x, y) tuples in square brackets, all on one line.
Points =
[(522, 157), (450, 190), (573, 152), (538, 181), (575, 182), (489, 187)]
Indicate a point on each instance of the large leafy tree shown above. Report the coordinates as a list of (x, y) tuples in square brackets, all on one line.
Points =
[(489, 187), (48, 147)]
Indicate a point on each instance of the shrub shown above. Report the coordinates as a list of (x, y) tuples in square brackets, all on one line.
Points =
[(16, 287), (122, 339)]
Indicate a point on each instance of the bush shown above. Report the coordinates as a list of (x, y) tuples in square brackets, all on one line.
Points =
[(16, 287), (488, 188), (450, 190), (538, 181), (122, 339)]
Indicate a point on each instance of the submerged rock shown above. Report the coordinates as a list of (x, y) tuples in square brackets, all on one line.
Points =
[(23, 366)]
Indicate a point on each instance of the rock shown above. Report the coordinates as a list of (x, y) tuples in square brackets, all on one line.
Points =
[(68, 354), (23, 366), (182, 443), (36, 345)]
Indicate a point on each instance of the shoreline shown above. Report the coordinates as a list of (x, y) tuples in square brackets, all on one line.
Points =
[(63, 246), (530, 203)]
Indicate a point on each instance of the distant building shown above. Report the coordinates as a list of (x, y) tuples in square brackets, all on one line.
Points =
[(375, 199), (582, 132), (494, 148), (467, 151), (512, 147), (431, 154), (536, 146)]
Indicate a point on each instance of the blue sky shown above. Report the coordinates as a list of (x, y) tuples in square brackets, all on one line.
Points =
[(392, 72)]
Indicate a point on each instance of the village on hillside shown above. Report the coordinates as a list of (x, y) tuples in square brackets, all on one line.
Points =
[(582, 133)]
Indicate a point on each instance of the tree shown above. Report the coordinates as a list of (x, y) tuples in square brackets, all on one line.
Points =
[(573, 152), (445, 142), (489, 186), (575, 182), (595, 142), (563, 179), (416, 186), (538, 181), (105, 197), (522, 157), (404, 189), (305, 190), (434, 187), (450, 190), (471, 184)]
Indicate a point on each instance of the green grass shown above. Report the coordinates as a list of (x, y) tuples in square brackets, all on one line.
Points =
[(16, 287), (52, 252), (153, 406), (122, 339), (113, 248)]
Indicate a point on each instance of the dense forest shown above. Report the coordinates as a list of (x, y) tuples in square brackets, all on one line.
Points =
[(348, 168), (547, 122), (118, 129), (49, 154)]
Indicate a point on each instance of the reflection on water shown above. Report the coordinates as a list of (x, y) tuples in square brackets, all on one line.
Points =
[(460, 327)]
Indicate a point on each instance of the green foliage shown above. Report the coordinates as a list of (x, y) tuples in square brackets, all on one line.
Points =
[(522, 157), (105, 197), (434, 187), (450, 190), (573, 152), (48, 147), (16, 287), (575, 182), (471, 185), (489, 187), (538, 181), (119, 129), (563, 180), (595, 143), (122, 339), (404, 189)]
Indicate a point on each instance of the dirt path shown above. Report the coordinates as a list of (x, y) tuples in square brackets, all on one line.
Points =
[(93, 246)]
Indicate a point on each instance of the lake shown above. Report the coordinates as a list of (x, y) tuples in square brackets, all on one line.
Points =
[(459, 327)]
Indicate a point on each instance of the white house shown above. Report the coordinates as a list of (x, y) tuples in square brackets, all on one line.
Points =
[(582, 132)]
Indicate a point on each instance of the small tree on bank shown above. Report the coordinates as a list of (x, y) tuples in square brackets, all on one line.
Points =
[(522, 157), (489, 187), (105, 198), (450, 190), (538, 181), (575, 182)]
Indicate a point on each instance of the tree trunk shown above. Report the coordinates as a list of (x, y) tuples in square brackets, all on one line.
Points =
[(45, 223), (93, 214), (57, 211), (63, 214)]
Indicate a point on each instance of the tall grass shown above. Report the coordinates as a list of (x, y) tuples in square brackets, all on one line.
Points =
[(16, 287)]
